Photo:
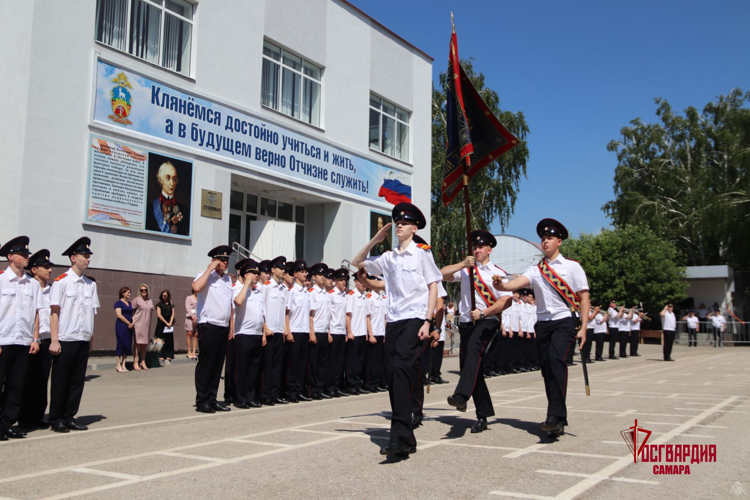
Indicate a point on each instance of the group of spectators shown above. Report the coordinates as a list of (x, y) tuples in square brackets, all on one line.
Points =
[(133, 327), (694, 319)]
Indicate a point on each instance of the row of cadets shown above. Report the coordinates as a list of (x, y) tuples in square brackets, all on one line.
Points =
[(478, 327), (300, 332), (528, 320), (320, 306), (597, 326), (411, 279), (337, 350), (249, 335), (274, 297)]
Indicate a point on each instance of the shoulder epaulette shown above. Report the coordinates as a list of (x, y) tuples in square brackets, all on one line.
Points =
[(423, 246), (369, 295), (61, 276), (311, 290), (267, 282), (331, 291), (89, 277), (572, 260), (351, 293), (1, 272)]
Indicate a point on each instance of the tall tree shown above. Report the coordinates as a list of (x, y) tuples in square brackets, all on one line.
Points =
[(631, 264), (687, 178), (493, 190)]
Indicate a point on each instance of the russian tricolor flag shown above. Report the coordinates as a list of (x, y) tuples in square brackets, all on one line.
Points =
[(395, 192)]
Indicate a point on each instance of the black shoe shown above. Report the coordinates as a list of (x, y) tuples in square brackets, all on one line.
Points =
[(73, 426), (613, 357), (341, 393), (412, 449), (242, 406), (480, 426), (441, 380), (13, 433), (458, 402), (292, 399), (668, 359), (624, 356), (254, 404), (267, 402), (599, 358), (354, 391), (325, 395), (364, 391), (570, 364), (302, 397), (3, 437), (416, 421), (205, 409), (228, 400), (317, 397), (60, 427), (397, 448), (280, 401), (220, 407), (636, 354), (554, 424)]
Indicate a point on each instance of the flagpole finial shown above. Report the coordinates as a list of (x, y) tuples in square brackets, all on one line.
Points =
[(453, 26)]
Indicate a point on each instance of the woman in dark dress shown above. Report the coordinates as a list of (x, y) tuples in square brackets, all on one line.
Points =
[(123, 328), (165, 325)]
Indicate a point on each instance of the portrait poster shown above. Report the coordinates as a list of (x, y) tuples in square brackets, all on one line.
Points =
[(377, 221), (139, 190)]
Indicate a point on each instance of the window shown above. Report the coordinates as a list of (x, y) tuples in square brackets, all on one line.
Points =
[(389, 128), (158, 31), (290, 84)]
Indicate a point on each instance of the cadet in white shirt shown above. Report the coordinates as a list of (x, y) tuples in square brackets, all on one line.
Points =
[(215, 327), (478, 325), (614, 326), (20, 300), (378, 305), (249, 334), (230, 366), (337, 354), (719, 324), (320, 305), (300, 332), (357, 314), (274, 296), (624, 330), (556, 324), (635, 331), (411, 278), (669, 325), (73, 302), (34, 403), (600, 328)]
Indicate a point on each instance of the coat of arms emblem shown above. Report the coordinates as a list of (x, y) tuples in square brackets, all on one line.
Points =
[(121, 99)]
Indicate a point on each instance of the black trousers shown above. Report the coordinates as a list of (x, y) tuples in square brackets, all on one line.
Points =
[(13, 361), (319, 355), (230, 371), (554, 340), (355, 361), (34, 400), (273, 364), (167, 350), (471, 384), (599, 338), (212, 342), (569, 356), (68, 378), (401, 352), (586, 350), (422, 367), (502, 352), (249, 359), (635, 339), (613, 337), (624, 341), (297, 364), (375, 363), (717, 336), (668, 341), (692, 337), (437, 358), (531, 349), (336, 360)]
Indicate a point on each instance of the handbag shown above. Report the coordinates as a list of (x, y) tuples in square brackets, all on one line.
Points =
[(155, 345), (168, 329)]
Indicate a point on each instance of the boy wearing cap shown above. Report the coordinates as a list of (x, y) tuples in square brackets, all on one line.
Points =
[(320, 307), (73, 302), (274, 297), (669, 325), (215, 326), (34, 402), (357, 316), (249, 334), (562, 292), (411, 279), (300, 332), (478, 326), (20, 301), (337, 328)]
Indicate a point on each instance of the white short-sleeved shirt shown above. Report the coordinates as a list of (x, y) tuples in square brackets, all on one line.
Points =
[(550, 306), (443, 293), (249, 317), (44, 314), (668, 321), (528, 317), (78, 300), (515, 315), (506, 319), (718, 320), (624, 323), (407, 276), (298, 306), (274, 295), (338, 311), (486, 272), (613, 321), (692, 322), (321, 304), (356, 305), (635, 323), (600, 326), (378, 305), (215, 300), (20, 299)]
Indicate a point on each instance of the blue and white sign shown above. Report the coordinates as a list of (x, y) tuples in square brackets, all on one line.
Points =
[(130, 101)]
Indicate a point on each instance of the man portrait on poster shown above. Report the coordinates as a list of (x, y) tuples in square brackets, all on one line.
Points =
[(377, 222), (168, 179)]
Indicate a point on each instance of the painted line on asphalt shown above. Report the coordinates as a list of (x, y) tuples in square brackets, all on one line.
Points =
[(626, 413), (525, 451), (105, 473), (580, 474)]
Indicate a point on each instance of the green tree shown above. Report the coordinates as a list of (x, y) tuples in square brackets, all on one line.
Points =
[(630, 264), (493, 191), (687, 179)]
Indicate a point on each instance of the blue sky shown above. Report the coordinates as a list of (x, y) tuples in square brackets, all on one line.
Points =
[(580, 71)]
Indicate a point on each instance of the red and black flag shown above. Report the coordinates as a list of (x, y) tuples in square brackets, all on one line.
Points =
[(475, 135)]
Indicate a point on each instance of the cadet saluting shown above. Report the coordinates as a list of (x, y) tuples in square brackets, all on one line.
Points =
[(561, 291), (411, 278)]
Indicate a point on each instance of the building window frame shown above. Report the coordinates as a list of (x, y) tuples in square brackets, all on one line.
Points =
[(126, 42), (253, 213), (307, 78), (384, 112)]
